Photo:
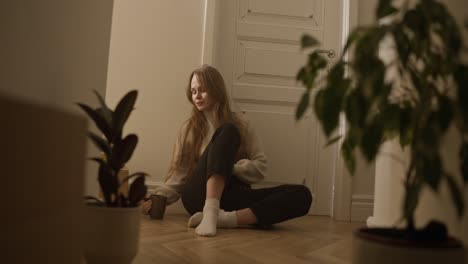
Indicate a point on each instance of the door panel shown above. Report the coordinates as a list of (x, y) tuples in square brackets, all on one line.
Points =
[(268, 59), (280, 134)]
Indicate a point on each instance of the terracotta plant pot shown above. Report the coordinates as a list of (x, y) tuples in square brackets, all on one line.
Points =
[(112, 234), (389, 246)]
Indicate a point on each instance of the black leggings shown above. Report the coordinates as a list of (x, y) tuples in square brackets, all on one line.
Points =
[(270, 205)]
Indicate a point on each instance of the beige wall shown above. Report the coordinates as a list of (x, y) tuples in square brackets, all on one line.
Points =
[(55, 52), (154, 47)]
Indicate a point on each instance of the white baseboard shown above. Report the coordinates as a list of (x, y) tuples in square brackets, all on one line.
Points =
[(362, 207)]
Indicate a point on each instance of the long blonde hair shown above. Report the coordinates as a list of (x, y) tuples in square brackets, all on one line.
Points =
[(196, 126)]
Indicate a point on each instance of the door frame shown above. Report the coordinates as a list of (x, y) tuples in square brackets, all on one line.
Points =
[(342, 184)]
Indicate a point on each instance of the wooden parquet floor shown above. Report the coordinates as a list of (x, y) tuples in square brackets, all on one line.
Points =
[(310, 239)]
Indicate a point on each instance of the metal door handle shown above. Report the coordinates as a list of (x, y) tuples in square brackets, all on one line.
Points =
[(330, 53)]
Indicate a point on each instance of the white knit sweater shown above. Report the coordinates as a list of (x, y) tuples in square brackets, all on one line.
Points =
[(250, 170)]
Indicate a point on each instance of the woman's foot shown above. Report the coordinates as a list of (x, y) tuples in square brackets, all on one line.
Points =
[(195, 219), (225, 219), (207, 226)]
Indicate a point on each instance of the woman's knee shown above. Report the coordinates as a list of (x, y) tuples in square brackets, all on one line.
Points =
[(304, 197)]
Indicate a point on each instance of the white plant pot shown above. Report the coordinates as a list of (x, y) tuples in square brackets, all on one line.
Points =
[(112, 235), (378, 249)]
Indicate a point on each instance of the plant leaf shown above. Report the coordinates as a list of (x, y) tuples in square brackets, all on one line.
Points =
[(301, 74), (356, 108), (123, 151), (390, 118), (353, 37), (308, 77), (123, 201), (372, 139), (329, 103), (108, 182), (411, 200), (376, 77), (333, 140), (136, 174), (430, 169), (316, 62), (137, 191), (457, 196), (331, 112), (430, 134), (122, 112), (326, 111), (98, 120), (100, 98), (417, 21), (366, 50), (347, 152), (461, 78), (385, 8), (307, 74), (309, 41), (336, 74), (445, 113), (406, 128), (464, 161), (104, 110), (100, 143), (302, 107), (402, 44)]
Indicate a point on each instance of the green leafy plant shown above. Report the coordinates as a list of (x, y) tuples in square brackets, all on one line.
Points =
[(416, 95), (117, 151)]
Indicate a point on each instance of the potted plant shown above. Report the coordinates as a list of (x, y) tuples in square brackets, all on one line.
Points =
[(112, 225), (416, 93)]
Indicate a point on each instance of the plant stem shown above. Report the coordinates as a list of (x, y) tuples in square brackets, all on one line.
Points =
[(409, 183)]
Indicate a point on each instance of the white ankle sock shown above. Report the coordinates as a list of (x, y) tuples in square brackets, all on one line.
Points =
[(195, 219), (225, 219), (207, 227)]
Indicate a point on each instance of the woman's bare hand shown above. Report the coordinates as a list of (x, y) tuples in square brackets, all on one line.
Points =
[(146, 206)]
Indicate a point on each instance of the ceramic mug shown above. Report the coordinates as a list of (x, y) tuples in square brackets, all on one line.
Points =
[(158, 206)]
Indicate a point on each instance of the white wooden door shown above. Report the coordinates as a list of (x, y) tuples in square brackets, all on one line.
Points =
[(256, 46)]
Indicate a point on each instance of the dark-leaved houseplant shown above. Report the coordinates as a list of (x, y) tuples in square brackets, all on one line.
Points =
[(113, 224), (417, 92)]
